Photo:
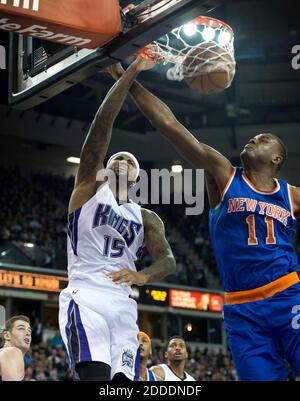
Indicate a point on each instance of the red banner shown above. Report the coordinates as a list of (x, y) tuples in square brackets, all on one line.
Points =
[(201, 301), (82, 23)]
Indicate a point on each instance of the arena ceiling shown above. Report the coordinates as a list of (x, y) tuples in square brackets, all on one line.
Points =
[(265, 93), (265, 90)]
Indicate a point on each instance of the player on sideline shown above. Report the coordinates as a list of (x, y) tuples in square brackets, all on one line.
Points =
[(146, 374), (105, 236), (252, 224), (176, 355), (17, 340)]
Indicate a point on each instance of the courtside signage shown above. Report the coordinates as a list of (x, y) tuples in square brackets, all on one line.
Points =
[(42, 32), (32, 281)]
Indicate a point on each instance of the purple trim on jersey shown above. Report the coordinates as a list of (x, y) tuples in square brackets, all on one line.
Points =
[(75, 229), (68, 334), (137, 365), (69, 231), (72, 229), (85, 353)]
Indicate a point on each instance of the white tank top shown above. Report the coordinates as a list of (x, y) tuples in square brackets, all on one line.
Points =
[(170, 376), (103, 236)]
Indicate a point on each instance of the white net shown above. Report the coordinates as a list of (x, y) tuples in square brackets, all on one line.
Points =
[(202, 46)]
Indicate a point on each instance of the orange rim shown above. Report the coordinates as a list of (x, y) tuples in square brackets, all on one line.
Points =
[(148, 54), (213, 22)]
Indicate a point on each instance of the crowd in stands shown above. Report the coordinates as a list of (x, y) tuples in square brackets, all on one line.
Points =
[(48, 361), (33, 209)]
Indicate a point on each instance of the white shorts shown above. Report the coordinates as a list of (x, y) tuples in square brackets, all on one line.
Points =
[(100, 326)]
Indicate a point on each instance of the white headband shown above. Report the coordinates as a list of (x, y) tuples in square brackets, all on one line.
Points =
[(131, 156)]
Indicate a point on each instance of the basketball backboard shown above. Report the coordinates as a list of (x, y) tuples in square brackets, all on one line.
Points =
[(39, 69)]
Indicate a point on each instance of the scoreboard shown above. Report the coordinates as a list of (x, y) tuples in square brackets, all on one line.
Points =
[(157, 295), (32, 281), (180, 298)]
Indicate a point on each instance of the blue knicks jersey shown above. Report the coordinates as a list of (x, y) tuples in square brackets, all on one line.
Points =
[(252, 233), (150, 375)]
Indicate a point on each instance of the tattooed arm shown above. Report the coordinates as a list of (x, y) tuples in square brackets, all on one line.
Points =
[(98, 139), (199, 154), (159, 249)]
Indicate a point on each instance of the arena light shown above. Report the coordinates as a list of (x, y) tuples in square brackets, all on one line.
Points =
[(224, 38), (177, 168), (189, 327), (74, 160), (189, 29), (28, 244), (208, 34)]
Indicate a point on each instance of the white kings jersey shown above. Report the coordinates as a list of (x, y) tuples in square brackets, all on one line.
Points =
[(103, 237), (170, 376)]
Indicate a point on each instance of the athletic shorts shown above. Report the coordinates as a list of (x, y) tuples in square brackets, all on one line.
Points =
[(263, 335), (100, 326)]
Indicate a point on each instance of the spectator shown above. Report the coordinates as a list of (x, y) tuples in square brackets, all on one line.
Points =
[(57, 341)]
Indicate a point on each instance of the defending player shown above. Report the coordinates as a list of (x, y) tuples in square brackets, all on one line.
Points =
[(17, 340), (252, 223), (146, 374), (97, 317), (176, 355)]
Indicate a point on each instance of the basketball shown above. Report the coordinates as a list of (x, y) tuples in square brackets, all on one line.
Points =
[(116, 260), (214, 69)]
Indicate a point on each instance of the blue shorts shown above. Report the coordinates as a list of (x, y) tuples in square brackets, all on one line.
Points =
[(263, 335)]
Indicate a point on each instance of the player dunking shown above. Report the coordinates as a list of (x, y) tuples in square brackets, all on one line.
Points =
[(98, 319), (17, 340), (252, 223), (176, 355)]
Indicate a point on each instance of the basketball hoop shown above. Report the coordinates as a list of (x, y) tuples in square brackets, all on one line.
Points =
[(152, 52), (202, 46)]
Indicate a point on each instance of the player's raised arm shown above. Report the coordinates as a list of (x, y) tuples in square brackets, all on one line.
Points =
[(160, 115), (12, 364), (98, 139), (159, 249)]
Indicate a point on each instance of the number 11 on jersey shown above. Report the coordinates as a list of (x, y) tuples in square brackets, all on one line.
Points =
[(252, 239)]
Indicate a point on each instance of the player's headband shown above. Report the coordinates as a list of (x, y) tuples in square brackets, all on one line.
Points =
[(143, 334), (132, 157)]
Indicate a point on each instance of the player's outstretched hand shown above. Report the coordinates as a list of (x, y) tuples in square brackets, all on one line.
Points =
[(115, 70), (127, 276), (142, 64)]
